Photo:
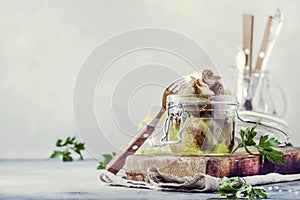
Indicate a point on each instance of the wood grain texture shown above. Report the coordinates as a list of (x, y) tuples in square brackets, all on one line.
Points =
[(219, 166), (248, 21), (264, 44)]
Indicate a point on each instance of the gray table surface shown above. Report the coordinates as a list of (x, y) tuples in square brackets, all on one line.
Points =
[(40, 179)]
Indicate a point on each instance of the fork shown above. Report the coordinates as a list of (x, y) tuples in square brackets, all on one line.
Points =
[(118, 161)]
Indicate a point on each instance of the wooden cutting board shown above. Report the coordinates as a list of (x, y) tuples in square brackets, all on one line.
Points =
[(239, 164)]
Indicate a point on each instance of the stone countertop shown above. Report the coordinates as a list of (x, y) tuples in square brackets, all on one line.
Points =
[(41, 179)]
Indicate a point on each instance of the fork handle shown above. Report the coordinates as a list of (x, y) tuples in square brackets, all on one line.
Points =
[(118, 161)]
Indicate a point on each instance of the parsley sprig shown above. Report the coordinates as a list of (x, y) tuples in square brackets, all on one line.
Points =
[(234, 188), (66, 148), (106, 158), (265, 146)]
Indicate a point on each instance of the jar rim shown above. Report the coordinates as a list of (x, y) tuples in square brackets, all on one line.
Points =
[(203, 99)]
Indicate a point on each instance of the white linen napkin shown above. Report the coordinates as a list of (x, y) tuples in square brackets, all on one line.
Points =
[(198, 183)]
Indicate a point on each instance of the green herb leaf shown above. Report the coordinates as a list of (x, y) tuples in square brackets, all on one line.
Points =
[(247, 137), (234, 188), (56, 154), (78, 147), (69, 141), (59, 143), (70, 144), (289, 144), (67, 156), (106, 159), (265, 146)]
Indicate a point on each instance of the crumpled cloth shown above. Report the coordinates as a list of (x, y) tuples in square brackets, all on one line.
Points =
[(198, 183)]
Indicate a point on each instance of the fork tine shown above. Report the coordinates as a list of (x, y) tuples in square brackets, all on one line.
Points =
[(180, 80), (175, 88), (170, 86), (174, 85), (177, 84)]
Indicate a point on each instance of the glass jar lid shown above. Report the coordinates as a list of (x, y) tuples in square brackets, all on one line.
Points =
[(267, 124)]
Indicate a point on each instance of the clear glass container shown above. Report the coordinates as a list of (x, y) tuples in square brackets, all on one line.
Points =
[(270, 125), (257, 93), (198, 124)]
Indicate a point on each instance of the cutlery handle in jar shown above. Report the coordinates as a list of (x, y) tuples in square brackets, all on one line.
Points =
[(248, 21), (118, 161)]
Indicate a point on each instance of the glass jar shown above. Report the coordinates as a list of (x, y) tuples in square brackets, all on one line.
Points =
[(199, 124), (257, 93)]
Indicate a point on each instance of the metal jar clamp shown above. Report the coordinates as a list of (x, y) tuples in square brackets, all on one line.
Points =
[(184, 117)]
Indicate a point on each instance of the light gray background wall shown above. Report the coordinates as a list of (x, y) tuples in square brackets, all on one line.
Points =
[(43, 44)]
